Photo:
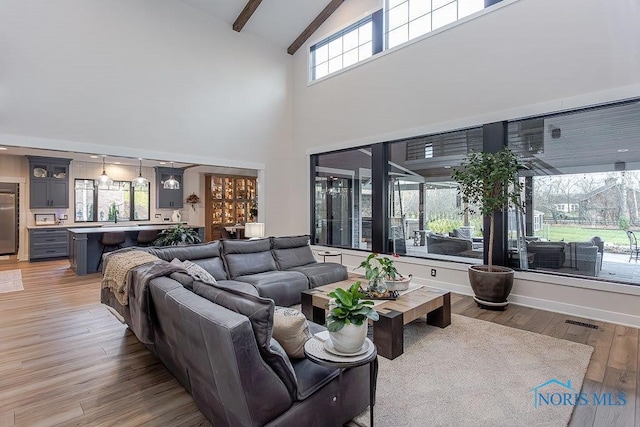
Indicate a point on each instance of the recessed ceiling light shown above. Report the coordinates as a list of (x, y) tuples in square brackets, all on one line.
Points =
[(117, 163), (3, 148), (94, 157), (623, 150), (447, 167), (163, 163)]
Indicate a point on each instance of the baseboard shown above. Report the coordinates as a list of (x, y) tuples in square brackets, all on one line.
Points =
[(577, 310)]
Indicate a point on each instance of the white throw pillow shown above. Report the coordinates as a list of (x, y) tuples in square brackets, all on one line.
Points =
[(291, 330)]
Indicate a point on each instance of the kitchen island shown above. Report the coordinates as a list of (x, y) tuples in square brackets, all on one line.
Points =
[(85, 247)]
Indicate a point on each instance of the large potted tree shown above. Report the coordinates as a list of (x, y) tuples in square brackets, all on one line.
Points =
[(488, 183)]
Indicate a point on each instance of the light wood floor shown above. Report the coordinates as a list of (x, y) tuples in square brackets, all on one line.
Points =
[(65, 360)]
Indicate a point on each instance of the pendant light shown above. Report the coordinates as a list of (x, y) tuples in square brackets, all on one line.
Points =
[(104, 179), (140, 181), (171, 183)]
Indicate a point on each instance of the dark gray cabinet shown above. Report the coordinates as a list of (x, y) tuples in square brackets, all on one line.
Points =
[(48, 182), (48, 243), (166, 198)]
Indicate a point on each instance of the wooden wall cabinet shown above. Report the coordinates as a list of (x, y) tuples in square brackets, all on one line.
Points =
[(48, 182), (229, 201)]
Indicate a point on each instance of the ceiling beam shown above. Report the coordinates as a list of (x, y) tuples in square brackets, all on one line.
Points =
[(246, 13), (322, 16)]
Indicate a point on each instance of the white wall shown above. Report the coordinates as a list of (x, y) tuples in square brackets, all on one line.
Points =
[(142, 78), (525, 58)]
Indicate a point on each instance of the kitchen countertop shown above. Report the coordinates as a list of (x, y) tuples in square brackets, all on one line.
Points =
[(100, 225), (102, 229)]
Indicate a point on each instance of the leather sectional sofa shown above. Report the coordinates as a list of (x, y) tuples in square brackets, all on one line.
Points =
[(217, 340)]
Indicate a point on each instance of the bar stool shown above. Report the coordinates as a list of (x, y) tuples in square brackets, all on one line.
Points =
[(111, 241), (146, 237)]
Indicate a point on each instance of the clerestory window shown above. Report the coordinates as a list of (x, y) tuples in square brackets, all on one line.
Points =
[(408, 19), (349, 46), (402, 21)]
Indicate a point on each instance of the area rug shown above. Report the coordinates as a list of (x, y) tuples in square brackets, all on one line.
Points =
[(477, 373), (11, 281)]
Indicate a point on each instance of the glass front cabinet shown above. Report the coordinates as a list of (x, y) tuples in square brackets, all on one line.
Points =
[(232, 199), (48, 182)]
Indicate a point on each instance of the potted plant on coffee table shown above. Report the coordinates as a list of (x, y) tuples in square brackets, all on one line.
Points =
[(347, 319), (382, 273), (489, 183)]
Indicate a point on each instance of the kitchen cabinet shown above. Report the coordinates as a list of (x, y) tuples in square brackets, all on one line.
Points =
[(47, 243), (166, 198), (48, 182)]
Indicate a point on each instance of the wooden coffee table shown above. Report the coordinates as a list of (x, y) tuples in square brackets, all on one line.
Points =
[(435, 304)]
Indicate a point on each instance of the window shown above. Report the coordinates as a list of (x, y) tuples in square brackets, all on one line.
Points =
[(582, 191), (408, 19), (349, 46), (424, 210), (404, 20), (103, 203), (581, 195), (342, 198)]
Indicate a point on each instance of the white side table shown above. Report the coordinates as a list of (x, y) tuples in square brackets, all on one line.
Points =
[(325, 254)]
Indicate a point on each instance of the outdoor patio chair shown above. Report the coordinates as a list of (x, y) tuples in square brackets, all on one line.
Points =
[(633, 243)]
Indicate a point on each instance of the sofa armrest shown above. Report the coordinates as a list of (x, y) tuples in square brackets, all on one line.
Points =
[(219, 349)]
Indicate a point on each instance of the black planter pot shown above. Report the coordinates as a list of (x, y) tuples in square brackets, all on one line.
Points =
[(491, 289)]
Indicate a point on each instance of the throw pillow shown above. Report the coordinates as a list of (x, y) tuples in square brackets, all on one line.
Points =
[(291, 330), (198, 273)]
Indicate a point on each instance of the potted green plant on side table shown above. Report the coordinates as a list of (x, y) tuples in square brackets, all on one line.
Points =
[(347, 319), (489, 181)]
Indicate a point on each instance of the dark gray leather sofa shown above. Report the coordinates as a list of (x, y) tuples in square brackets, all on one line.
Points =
[(280, 268), (217, 340), (218, 343)]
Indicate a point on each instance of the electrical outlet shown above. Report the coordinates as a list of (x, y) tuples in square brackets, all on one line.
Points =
[(433, 272)]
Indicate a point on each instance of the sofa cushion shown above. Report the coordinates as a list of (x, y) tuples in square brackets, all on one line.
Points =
[(290, 241), (246, 257), (291, 330), (292, 251), (284, 287), (260, 313), (213, 266), (195, 271), (323, 273), (206, 255)]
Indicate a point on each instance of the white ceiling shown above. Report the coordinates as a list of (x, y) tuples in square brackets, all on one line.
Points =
[(277, 21)]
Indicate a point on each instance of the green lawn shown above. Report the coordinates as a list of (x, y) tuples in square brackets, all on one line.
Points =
[(570, 233)]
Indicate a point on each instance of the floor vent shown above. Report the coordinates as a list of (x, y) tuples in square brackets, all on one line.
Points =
[(586, 325)]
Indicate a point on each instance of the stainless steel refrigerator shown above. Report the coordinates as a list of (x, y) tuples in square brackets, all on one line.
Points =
[(8, 223)]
